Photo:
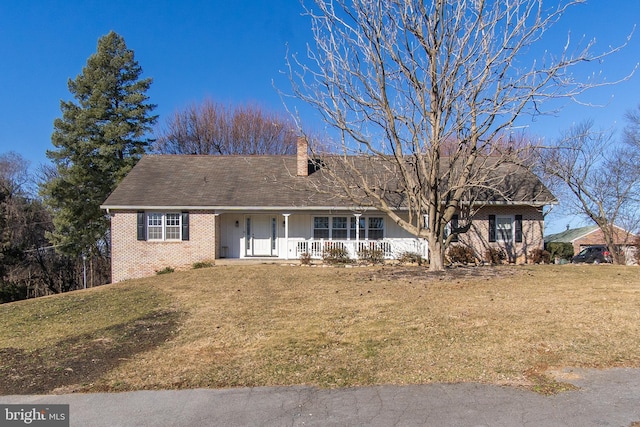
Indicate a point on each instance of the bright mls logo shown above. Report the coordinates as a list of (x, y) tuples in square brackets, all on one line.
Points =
[(34, 415)]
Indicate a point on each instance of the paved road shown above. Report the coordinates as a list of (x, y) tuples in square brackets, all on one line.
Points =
[(605, 398)]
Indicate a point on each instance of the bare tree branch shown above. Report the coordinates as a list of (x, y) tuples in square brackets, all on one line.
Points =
[(429, 89), (597, 178), (213, 128)]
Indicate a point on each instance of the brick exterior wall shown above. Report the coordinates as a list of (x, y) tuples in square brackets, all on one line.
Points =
[(519, 253), (132, 258), (621, 237)]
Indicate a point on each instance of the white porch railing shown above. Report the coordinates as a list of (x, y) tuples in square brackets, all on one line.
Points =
[(391, 248)]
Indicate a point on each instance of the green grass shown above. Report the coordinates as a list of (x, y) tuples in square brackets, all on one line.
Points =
[(42, 322)]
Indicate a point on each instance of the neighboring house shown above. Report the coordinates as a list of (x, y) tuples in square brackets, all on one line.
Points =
[(592, 235), (175, 210)]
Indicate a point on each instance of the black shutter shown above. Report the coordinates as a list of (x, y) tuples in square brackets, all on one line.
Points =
[(518, 228), (142, 226), (185, 225), (492, 228), (454, 228)]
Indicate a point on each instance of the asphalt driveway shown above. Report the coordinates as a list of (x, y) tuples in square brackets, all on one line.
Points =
[(605, 398)]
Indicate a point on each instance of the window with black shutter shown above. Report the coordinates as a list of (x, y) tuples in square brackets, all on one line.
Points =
[(162, 226), (518, 228)]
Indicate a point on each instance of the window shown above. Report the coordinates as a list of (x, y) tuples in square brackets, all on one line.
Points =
[(376, 228), (504, 229), (172, 226), (163, 226), (339, 227), (343, 227), (321, 227), (154, 226)]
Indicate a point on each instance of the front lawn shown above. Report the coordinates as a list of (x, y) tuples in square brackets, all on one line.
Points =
[(264, 325)]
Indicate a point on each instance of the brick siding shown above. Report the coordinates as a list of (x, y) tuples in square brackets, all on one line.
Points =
[(621, 237), (520, 253), (132, 258)]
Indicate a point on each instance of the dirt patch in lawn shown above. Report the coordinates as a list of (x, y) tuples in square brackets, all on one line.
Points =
[(77, 362), (451, 275)]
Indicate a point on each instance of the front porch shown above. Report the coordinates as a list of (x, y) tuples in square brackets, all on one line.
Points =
[(311, 234), (390, 248)]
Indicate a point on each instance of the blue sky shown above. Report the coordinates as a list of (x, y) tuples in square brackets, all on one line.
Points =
[(232, 52)]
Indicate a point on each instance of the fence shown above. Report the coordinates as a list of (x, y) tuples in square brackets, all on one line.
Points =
[(391, 248)]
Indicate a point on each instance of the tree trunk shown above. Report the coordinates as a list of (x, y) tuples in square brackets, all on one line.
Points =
[(436, 255), (617, 257)]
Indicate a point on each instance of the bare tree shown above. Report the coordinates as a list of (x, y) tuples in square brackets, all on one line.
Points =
[(29, 265), (427, 88), (213, 128), (597, 178), (632, 131), (14, 174)]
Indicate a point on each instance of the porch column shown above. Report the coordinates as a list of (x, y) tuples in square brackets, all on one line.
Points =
[(286, 235), (424, 243), (217, 249), (357, 249)]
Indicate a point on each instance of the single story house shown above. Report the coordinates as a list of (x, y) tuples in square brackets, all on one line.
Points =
[(592, 235), (175, 210)]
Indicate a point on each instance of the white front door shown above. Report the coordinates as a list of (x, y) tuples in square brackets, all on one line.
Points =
[(261, 235)]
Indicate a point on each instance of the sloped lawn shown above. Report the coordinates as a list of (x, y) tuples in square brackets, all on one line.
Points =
[(263, 325)]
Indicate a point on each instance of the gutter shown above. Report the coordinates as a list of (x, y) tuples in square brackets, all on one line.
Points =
[(108, 208)]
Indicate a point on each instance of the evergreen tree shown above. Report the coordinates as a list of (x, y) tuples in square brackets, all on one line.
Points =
[(99, 138)]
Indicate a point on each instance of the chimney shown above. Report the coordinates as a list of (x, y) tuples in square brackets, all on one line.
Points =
[(303, 157)]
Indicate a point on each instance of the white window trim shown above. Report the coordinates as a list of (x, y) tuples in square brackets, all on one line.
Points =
[(313, 226), (368, 224), (349, 229), (164, 226), (512, 222)]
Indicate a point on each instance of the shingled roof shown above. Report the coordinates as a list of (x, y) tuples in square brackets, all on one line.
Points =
[(569, 235), (257, 182)]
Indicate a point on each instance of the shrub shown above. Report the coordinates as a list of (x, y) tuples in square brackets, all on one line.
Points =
[(202, 264), (495, 255), (410, 258), (166, 270), (10, 291), (560, 250), (305, 258), (336, 255), (461, 254), (540, 256), (371, 256)]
